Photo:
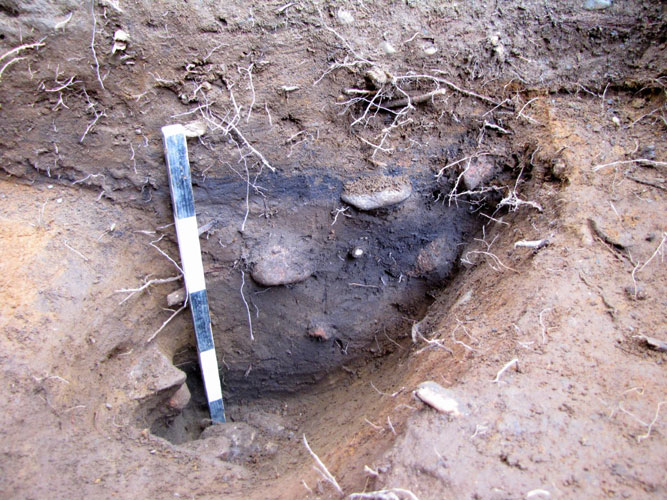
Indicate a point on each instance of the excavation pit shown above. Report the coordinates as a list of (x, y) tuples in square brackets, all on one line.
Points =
[(303, 286)]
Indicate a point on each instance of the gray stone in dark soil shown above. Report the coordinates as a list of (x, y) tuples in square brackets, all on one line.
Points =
[(282, 262), (480, 171), (370, 193)]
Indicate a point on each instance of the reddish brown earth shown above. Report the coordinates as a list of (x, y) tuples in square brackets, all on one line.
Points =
[(563, 110)]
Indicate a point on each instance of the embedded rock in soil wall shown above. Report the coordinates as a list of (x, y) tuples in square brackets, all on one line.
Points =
[(282, 262), (370, 193)]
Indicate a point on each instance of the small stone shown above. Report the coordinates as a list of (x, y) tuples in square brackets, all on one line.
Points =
[(596, 4), (231, 441), (387, 48), (180, 399), (637, 103), (648, 152), (121, 36), (437, 397), (282, 263), (656, 344), (559, 169), (616, 121), (196, 128), (478, 172), (118, 47), (501, 53), (376, 77), (318, 332), (635, 294), (356, 252), (430, 50), (152, 374), (176, 297), (344, 16), (370, 193)]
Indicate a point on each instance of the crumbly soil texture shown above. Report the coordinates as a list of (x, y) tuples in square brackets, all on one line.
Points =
[(468, 194)]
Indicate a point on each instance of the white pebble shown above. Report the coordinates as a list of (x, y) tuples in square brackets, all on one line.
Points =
[(436, 396), (430, 50), (121, 36), (387, 48), (345, 17)]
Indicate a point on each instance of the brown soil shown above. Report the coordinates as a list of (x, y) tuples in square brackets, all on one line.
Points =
[(563, 102)]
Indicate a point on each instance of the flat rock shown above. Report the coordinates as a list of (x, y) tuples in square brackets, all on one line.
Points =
[(282, 262), (436, 259), (153, 373), (180, 398), (478, 172), (270, 424), (597, 4), (370, 193), (656, 344), (230, 441), (437, 397)]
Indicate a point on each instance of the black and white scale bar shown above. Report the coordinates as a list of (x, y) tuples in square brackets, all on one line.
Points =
[(180, 184)]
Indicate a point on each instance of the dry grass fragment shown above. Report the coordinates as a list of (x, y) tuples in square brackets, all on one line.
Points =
[(388, 494), (322, 469)]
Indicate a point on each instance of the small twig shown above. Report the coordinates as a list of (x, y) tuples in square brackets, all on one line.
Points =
[(308, 488), (341, 38), (493, 126), (637, 269), (362, 285), (247, 308), (610, 307), (146, 285), (469, 93), (153, 244), (419, 99), (48, 377), (321, 468), (515, 361), (9, 63), (18, 49), (391, 427), (389, 494), (62, 86), (374, 426), (386, 393), (646, 182), (64, 22), (92, 47), (86, 259), (652, 423), (544, 328), (259, 155), (339, 211), (521, 115), (252, 89), (454, 163), (626, 162), (185, 304), (493, 257), (644, 116), (534, 244), (92, 124)]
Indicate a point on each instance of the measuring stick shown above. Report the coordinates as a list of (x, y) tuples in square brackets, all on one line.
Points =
[(180, 184)]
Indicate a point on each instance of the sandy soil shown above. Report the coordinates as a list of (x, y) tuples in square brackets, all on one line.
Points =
[(557, 112)]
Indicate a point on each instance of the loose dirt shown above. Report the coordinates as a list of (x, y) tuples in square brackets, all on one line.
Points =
[(532, 135)]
